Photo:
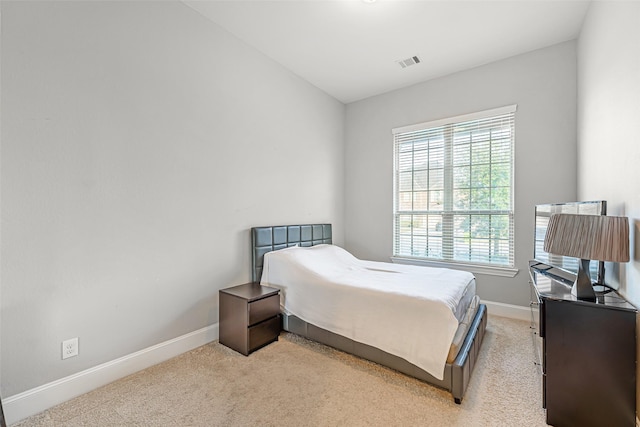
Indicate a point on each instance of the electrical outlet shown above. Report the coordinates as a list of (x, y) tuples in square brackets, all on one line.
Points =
[(70, 348)]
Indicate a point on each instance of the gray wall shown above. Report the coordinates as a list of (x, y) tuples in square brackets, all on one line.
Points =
[(608, 131), (140, 142), (542, 83)]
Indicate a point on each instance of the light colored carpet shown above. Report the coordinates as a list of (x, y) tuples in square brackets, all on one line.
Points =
[(296, 382)]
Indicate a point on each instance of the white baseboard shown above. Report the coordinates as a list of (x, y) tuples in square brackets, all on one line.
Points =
[(31, 402), (508, 310)]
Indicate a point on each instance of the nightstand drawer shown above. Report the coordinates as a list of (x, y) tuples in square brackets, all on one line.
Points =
[(263, 309), (264, 333)]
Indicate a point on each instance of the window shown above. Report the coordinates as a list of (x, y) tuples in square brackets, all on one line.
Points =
[(453, 189)]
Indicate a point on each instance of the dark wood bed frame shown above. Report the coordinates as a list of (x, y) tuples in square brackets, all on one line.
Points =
[(456, 374)]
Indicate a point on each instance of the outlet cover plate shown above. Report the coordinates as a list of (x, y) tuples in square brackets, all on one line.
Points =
[(70, 348)]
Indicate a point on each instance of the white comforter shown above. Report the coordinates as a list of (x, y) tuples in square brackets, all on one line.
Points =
[(404, 310)]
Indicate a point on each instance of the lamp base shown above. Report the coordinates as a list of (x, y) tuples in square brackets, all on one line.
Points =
[(582, 288)]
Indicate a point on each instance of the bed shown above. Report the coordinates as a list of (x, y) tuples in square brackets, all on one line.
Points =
[(391, 327)]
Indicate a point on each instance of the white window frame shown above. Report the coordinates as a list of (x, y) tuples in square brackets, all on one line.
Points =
[(447, 259)]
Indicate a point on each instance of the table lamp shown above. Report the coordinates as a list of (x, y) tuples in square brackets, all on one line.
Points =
[(587, 237)]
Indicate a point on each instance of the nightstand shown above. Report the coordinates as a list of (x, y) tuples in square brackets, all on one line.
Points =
[(249, 317)]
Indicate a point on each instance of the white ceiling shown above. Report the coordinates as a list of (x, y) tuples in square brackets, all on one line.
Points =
[(349, 48)]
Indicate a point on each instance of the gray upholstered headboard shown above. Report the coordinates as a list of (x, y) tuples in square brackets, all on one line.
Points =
[(271, 238)]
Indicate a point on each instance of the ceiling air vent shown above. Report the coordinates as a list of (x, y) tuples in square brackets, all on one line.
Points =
[(404, 63)]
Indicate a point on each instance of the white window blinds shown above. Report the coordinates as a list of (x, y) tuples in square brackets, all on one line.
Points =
[(453, 189)]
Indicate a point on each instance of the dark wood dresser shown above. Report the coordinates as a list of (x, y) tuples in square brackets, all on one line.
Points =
[(249, 317), (586, 351)]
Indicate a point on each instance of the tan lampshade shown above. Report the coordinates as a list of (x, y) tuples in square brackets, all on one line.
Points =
[(591, 237)]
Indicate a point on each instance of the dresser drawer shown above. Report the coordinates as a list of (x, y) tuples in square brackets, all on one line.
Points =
[(264, 333), (263, 309)]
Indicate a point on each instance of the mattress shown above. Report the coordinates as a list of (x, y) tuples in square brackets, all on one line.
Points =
[(467, 298), (408, 311)]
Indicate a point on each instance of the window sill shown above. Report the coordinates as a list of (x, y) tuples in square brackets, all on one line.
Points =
[(480, 269)]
